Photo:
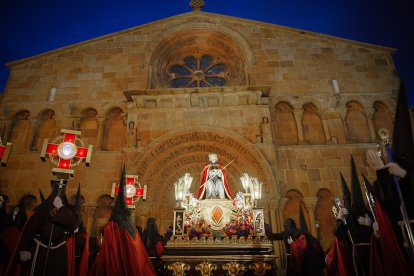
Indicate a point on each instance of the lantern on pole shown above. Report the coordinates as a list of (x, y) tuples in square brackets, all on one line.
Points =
[(66, 151)]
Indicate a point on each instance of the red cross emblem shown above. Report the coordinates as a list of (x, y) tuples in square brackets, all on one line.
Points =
[(66, 151), (4, 152), (133, 190)]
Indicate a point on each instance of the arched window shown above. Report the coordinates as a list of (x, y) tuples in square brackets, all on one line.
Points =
[(312, 125), (89, 126), (20, 131), (382, 118), (46, 128), (357, 123), (284, 127), (114, 136)]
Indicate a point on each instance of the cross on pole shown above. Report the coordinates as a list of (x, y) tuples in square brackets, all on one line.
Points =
[(66, 151), (133, 190), (4, 152)]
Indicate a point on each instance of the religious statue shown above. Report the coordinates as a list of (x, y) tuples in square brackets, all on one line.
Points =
[(213, 180), (265, 131), (131, 134)]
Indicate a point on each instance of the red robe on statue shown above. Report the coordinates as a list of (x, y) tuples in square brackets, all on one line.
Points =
[(121, 254), (204, 175)]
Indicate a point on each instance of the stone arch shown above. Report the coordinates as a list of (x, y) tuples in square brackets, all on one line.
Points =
[(114, 135), (89, 126), (186, 150), (102, 214), (335, 126), (284, 127), (313, 132), (46, 128), (382, 117), (223, 45), (356, 123), (293, 203), (20, 131), (324, 217)]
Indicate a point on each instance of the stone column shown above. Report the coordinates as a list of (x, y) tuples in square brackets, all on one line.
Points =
[(90, 211), (279, 248), (310, 204), (298, 119), (326, 130), (369, 113), (100, 119)]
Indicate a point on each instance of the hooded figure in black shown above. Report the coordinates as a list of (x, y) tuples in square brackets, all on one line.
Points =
[(304, 252), (399, 170), (122, 251), (44, 248), (153, 242), (353, 226)]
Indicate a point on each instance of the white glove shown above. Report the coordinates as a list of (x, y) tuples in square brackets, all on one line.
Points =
[(376, 229), (1, 201), (395, 169), (374, 160), (342, 213), (367, 221), (289, 240), (57, 202), (25, 256)]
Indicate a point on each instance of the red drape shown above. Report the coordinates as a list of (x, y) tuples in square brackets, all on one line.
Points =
[(392, 256), (120, 254)]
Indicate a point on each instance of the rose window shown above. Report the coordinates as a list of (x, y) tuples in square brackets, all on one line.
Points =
[(203, 72)]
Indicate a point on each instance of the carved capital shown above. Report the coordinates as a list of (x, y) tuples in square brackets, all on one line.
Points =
[(369, 112), (90, 210), (282, 202), (310, 203)]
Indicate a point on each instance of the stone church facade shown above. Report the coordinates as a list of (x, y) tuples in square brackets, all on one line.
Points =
[(289, 106)]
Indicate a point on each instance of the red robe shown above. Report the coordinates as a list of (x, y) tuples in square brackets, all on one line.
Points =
[(204, 175), (121, 254)]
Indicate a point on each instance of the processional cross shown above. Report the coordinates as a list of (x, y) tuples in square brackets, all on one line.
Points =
[(66, 151), (4, 152), (133, 190)]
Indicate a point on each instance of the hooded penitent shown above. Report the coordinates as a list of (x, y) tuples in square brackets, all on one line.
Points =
[(122, 251), (346, 194), (357, 200)]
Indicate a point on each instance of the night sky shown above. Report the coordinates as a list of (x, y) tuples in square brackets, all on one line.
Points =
[(32, 27)]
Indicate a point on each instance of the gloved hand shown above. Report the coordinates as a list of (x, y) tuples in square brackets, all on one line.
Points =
[(25, 256), (374, 160), (376, 229), (367, 221), (342, 213), (395, 169), (57, 202), (289, 240), (1, 201)]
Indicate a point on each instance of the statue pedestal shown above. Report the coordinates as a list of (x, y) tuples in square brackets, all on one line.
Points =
[(252, 256)]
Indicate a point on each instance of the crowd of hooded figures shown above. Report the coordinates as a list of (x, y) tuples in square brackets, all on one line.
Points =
[(373, 235), (50, 239)]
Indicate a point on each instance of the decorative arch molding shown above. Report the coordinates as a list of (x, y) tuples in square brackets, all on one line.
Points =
[(224, 46), (160, 40), (186, 150)]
